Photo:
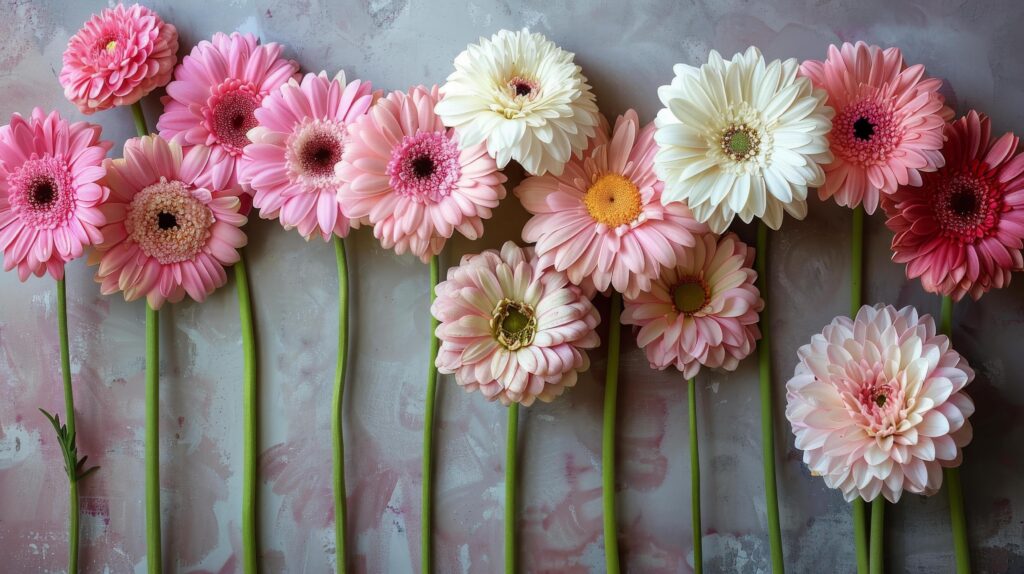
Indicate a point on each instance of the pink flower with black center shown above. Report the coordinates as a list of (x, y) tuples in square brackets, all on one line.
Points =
[(119, 56), (406, 173), (216, 91), (962, 230), (50, 192), (173, 223), (887, 130), (297, 146)]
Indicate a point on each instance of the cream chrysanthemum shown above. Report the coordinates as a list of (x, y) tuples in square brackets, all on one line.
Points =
[(742, 137)]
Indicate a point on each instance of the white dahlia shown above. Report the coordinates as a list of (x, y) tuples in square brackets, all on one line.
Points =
[(524, 97), (742, 137)]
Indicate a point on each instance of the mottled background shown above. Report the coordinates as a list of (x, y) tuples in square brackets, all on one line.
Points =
[(627, 50)]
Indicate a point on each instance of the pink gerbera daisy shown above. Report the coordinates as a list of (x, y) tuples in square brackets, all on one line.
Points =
[(962, 230), (512, 330), (602, 221), (216, 91), (49, 192), (888, 124), (172, 223), (299, 141), (405, 172), (702, 312), (119, 56)]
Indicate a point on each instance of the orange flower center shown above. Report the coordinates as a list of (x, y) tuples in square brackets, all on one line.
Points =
[(613, 200)]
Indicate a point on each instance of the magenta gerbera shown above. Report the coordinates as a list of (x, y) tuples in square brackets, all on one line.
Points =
[(887, 130), (173, 223), (50, 193)]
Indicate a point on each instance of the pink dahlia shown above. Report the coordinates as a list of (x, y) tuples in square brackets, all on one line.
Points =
[(512, 330), (877, 404), (703, 311), (962, 230), (602, 221), (405, 172), (172, 223), (50, 193), (299, 141), (887, 130), (216, 91), (119, 56)]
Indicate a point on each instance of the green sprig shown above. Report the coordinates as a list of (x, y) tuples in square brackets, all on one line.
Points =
[(73, 466)]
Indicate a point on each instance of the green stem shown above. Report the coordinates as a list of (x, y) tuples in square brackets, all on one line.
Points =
[(249, 419), (764, 355), (877, 530), (860, 534), (698, 532), (428, 432), (153, 557), (611, 392), (340, 493), (140, 119), (860, 531), (954, 488), (69, 415), (511, 458)]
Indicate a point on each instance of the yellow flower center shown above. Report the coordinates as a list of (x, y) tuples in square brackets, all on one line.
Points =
[(111, 46), (690, 296), (613, 200)]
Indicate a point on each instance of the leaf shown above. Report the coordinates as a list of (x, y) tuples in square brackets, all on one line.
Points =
[(73, 466)]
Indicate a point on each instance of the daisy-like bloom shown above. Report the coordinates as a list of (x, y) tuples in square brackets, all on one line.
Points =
[(512, 330), (300, 139), (119, 56), (173, 223), (961, 231), (888, 124), (216, 91), (602, 221), (50, 194), (524, 97), (741, 137), (413, 179), (703, 312), (877, 404)]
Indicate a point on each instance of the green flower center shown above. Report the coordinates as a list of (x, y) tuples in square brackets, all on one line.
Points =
[(690, 296), (514, 324)]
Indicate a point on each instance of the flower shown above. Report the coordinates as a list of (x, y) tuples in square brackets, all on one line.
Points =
[(601, 221), (961, 231), (524, 97), (741, 137), (216, 91), (512, 330), (877, 404), (888, 124), (297, 145), (172, 223), (413, 179), (119, 56), (50, 194), (703, 311)]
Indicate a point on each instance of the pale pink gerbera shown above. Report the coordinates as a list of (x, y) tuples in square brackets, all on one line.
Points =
[(299, 141), (172, 223), (877, 404), (49, 192), (119, 56), (216, 91), (405, 172), (888, 124), (512, 330), (962, 230), (702, 312), (602, 221)]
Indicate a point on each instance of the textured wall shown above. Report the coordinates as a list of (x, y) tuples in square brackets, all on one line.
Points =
[(626, 49)]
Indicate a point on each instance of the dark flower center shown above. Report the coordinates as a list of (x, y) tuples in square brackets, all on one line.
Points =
[(42, 193), (523, 89), (863, 129), (690, 296), (233, 117), (166, 220), (423, 166), (963, 202), (320, 153)]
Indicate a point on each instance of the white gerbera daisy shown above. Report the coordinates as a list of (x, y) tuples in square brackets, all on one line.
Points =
[(741, 137), (524, 97)]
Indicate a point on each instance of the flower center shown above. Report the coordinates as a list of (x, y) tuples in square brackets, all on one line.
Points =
[(967, 206), (740, 142), (514, 324), (522, 87), (312, 151), (168, 223), (866, 132), (422, 167), (613, 200), (230, 114), (111, 46), (690, 296), (41, 192), (863, 129), (425, 167), (874, 400)]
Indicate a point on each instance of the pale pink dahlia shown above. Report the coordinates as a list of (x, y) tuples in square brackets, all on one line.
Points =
[(877, 404), (119, 56), (406, 173), (173, 223), (50, 193), (887, 130), (299, 141), (512, 330), (602, 221), (216, 91), (962, 230), (703, 311)]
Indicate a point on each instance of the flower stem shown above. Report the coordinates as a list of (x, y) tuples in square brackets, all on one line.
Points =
[(140, 119), (249, 419), (877, 524), (428, 431), (860, 533), (511, 457), (698, 532), (153, 558), (954, 488), (611, 392), (340, 493), (764, 355), (69, 415)]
